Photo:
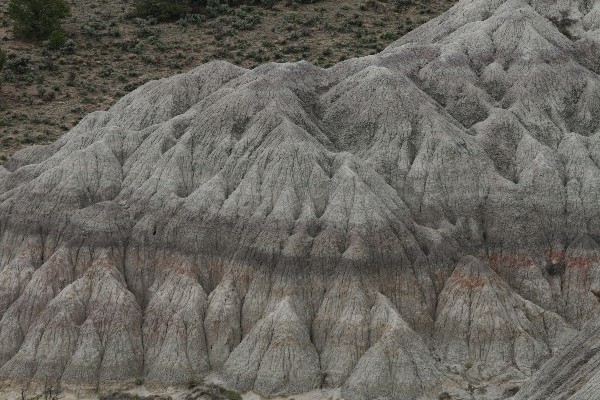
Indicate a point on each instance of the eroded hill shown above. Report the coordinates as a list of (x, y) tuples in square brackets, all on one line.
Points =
[(417, 223)]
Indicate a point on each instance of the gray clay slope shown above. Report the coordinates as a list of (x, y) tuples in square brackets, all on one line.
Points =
[(373, 226)]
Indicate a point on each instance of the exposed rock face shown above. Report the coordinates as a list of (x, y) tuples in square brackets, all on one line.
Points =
[(483, 323), (572, 374), (377, 226), (277, 355)]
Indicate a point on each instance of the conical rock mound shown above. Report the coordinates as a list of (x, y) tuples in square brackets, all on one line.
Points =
[(398, 365), (276, 356), (493, 328)]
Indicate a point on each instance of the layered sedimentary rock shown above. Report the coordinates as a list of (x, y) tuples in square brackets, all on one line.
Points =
[(392, 225)]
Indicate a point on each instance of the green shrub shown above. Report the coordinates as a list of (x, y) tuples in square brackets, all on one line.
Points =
[(231, 395), (46, 94), (37, 19), (402, 4), (19, 65), (163, 10), (114, 32), (192, 19), (57, 40), (246, 18), (294, 3), (105, 72), (2, 62), (216, 7), (2, 59), (69, 47)]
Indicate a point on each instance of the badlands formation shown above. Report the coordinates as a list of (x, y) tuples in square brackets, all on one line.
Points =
[(416, 224)]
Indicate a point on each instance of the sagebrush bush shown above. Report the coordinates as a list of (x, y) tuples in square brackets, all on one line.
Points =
[(57, 40), (231, 395), (246, 18), (163, 10), (402, 4), (19, 65), (2, 59), (216, 7), (2, 62), (37, 19)]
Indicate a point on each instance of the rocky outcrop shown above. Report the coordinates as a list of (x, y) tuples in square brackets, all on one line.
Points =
[(276, 356), (398, 365), (390, 226), (494, 330), (574, 373)]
